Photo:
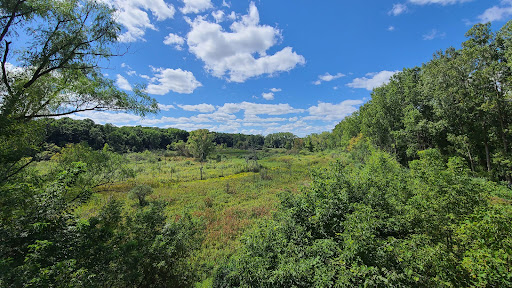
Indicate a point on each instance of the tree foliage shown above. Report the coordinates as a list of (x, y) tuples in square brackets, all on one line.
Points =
[(50, 57), (200, 144), (54, 70), (459, 102)]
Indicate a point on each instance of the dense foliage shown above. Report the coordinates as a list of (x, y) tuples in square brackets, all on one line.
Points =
[(121, 139), (459, 103), (369, 222), (42, 242)]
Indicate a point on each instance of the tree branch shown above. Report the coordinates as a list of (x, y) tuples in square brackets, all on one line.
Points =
[(11, 19), (26, 117), (18, 170), (4, 71)]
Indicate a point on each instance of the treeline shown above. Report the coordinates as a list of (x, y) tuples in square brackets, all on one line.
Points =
[(459, 103), (136, 139), (122, 139)]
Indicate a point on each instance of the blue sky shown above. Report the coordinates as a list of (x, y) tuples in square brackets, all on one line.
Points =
[(259, 67)]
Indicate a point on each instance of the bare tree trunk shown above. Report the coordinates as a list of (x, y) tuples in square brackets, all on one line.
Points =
[(487, 156), (470, 159)]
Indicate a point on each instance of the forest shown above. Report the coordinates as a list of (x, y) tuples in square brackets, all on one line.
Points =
[(412, 190)]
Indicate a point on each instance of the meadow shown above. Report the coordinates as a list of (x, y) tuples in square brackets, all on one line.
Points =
[(239, 188)]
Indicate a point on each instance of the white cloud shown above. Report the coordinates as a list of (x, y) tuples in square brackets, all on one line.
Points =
[(232, 16), (258, 109), (398, 9), (330, 112), (372, 80), (327, 77), (196, 6), (275, 90), (497, 13), (225, 4), (433, 35), (174, 39), (441, 2), (391, 28), (256, 118), (203, 108), (218, 15), (268, 96), (165, 107), (102, 117), (122, 83), (133, 16), (175, 80), (234, 53)]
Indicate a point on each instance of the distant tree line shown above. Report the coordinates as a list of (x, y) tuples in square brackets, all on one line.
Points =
[(121, 139), (136, 139), (460, 102)]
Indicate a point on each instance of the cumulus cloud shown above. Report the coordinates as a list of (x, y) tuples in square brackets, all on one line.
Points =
[(165, 107), (330, 112), (196, 6), (391, 28), (327, 77), (267, 96), (433, 34), (258, 109), (441, 2), (174, 39), (133, 16), (276, 90), (497, 13), (203, 108), (372, 80), (102, 117), (240, 53), (255, 118), (232, 16), (175, 80), (122, 83), (398, 9), (218, 15)]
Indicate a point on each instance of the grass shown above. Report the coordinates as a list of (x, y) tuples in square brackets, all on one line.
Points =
[(236, 192)]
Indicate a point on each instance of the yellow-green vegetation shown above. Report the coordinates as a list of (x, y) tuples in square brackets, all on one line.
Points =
[(240, 187)]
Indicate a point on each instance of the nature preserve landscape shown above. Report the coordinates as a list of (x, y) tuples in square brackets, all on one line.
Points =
[(201, 143)]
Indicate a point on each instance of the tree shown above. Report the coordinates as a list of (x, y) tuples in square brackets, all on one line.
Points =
[(140, 192), (200, 143), (55, 70)]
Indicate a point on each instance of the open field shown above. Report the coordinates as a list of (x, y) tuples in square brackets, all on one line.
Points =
[(235, 193)]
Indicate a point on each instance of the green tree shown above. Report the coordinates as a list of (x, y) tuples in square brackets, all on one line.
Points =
[(200, 144), (55, 70), (140, 192)]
